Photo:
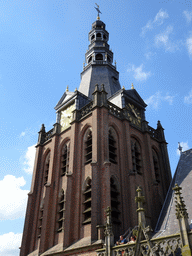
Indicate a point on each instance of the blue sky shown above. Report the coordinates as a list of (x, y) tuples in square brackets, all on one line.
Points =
[(42, 49)]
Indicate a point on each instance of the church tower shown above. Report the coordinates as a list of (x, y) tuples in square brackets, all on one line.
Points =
[(100, 150)]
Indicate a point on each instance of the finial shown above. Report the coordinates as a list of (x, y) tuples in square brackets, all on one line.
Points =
[(180, 206), (67, 89), (132, 86), (83, 64), (115, 63), (180, 148), (123, 87), (97, 8), (75, 89)]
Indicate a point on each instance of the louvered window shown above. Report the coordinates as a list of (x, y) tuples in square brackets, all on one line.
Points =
[(46, 168), (156, 167), (112, 148), (87, 203), (88, 148), (136, 156), (65, 159), (114, 203), (61, 212)]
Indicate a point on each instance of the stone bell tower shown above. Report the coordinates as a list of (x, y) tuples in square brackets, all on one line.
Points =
[(100, 150)]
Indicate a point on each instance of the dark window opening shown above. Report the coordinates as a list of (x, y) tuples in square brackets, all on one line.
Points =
[(156, 167), (87, 203), (90, 59), (136, 157), (88, 148), (65, 159), (61, 212), (104, 37), (46, 168), (112, 148), (99, 56), (99, 35), (108, 59), (114, 203), (93, 36)]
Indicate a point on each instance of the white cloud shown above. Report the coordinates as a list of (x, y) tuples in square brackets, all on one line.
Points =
[(163, 39), (155, 100), (158, 20), (149, 55), (184, 146), (9, 244), (13, 199), (189, 45), (22, 134), (188, 16), (139, 74), (29, 159), (188, 98)]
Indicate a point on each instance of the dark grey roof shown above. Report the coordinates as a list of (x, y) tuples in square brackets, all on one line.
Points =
[(99, 74), (168, 223)]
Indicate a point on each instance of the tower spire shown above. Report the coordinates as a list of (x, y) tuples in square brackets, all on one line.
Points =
[(99, 68)]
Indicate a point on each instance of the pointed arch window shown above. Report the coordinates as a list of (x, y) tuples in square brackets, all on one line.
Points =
[(87, 202), (65, 159), (115, 213), (112, 147), (136, 156), (46, 168), (61, 211), (156, 166), (88, 147)]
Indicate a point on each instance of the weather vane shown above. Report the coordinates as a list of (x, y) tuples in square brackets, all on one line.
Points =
[(97, 8)]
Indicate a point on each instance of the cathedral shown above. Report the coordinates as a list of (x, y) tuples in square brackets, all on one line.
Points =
[(100, 150)]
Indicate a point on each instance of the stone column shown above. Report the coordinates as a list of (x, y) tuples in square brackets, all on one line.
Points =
[(109, 237)]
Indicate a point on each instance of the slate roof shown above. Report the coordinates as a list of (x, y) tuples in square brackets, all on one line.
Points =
[(167, 223)]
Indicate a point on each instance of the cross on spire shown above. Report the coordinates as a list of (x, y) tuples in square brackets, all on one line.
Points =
[(97, 8)]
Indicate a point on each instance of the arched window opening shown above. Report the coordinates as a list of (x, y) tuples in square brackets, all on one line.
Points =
[(104, 37), (88, 147), (87, 203), (156, 166), (93, 36), (90, 59), (46, 168), (114, 203), (65, 159), (61, 212), (98, 35), (136, 156), (112, 148), (108, 59), (99, 56)]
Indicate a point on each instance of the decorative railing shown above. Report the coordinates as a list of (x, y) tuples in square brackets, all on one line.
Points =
[(125, 250), (48, 134), (154, 133), (113, 109), (85, 110)]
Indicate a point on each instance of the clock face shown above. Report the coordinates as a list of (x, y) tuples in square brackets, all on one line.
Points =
[(66, 117), (134, 114)]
